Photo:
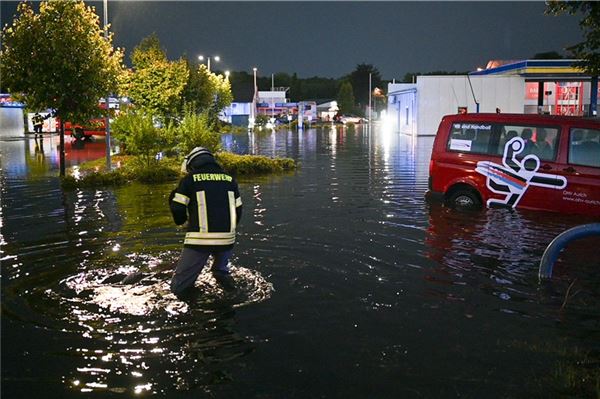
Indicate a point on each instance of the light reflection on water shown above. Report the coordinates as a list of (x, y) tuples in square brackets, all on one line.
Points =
[(373, 286), (145, 328)]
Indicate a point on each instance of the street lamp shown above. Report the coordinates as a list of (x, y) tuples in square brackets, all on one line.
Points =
[(227, 75), (107, 121), (216, 58), (370, 95), (253, 108)]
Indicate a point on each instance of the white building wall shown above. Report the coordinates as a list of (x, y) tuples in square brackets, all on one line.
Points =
[(442, 95), (401, 108), (271, 96), (11, 122)]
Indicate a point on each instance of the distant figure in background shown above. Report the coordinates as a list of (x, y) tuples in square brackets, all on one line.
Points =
[(498, 110), (38, 123), (209, 200)]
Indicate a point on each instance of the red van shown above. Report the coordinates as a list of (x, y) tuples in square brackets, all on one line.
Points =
[(528, 161)]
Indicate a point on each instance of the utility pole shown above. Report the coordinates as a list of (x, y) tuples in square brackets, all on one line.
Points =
[(107, 102), (370, 93)]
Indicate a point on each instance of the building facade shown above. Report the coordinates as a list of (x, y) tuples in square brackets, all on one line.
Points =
[(554, 87)]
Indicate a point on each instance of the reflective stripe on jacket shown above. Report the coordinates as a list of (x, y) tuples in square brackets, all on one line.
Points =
[(210, 201)]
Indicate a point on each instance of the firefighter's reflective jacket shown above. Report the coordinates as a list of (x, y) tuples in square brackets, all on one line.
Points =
[(210, 201)]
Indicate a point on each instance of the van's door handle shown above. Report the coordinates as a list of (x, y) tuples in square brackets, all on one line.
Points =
[(570, 169), (546, 167)]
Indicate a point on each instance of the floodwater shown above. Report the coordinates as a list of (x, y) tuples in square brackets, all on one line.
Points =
[(349, 285)]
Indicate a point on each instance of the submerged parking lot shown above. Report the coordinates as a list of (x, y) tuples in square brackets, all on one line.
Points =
[(350, 284)]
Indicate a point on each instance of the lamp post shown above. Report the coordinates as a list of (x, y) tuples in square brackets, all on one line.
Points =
[(370, 94), (253, 108), (216, 58), (107, 102)]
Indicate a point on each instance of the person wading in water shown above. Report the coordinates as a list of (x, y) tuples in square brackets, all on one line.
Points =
[(209, 200)]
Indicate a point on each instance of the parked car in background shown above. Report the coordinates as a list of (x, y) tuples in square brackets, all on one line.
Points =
[(528, 161), (94, 127), (352, 119)]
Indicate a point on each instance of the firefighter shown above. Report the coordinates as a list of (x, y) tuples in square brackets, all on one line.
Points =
[(209, 200), (38, 123)]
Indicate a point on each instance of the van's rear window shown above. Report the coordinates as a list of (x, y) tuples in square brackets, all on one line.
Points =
[(490, 139)]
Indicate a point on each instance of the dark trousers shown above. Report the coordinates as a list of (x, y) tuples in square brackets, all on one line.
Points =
[(190, 265)]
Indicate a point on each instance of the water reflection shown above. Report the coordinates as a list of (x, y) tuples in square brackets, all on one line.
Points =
[(496, 250), (141, 338), (34, 157), (431, 298)]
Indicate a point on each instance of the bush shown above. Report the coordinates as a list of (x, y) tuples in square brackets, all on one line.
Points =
[(132, 168), (157, 172), (129, 168), (139, 135), (253, 164), (261, 120), (197, 130), (95, 179)]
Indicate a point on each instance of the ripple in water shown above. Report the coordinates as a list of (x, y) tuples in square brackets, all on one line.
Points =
[(139, 337), (149, 292)]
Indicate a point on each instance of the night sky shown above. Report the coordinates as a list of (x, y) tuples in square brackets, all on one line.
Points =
[(329, 39)]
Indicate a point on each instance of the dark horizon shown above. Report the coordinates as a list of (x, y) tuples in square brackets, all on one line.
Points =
[(328, 39)]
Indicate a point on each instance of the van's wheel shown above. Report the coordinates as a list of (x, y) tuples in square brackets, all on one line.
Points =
[(464, 198)]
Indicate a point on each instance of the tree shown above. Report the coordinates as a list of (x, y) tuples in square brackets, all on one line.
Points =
[(317, 88), (59, 59), (295, 92), (345, 98), (206, 91), (588, 50), (359, 79), (222, 92), (156, 84)]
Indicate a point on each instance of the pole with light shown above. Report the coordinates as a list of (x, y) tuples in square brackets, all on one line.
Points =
[(370, 114), (216, 58), (253, 108), (107, 102)]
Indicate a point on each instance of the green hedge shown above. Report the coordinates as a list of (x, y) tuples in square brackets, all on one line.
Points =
[(236, 164), (130, 168)]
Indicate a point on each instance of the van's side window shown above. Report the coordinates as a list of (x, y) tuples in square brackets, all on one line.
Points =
[(472, 137), (584, 147), (539, 140)]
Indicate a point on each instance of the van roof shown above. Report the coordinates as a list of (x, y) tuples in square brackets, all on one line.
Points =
[(528, 118)]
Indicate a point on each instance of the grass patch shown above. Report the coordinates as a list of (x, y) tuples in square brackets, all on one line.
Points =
[(574, 373), (128, 168)]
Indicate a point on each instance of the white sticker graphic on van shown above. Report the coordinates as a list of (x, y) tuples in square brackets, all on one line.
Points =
[(460, 145), (514, 177)]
